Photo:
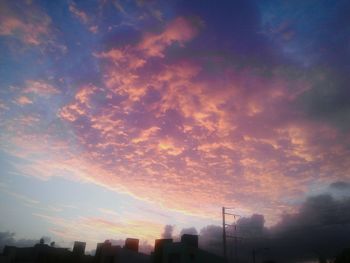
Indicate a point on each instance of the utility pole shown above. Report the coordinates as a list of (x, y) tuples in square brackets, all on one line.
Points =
[(236, 250), (225, 236), (224, 233)]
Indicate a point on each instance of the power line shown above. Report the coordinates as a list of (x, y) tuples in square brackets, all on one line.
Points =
[(226, 227)]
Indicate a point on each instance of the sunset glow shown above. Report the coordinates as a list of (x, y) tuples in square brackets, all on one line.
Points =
[(121, 117)]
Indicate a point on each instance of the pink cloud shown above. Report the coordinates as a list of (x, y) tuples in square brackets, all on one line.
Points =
[(40, 88), (80, 105), (162, 171), (23, 100), (125, 56), (113, 54), (186, 139), (169, 147), (213, 145), (81, 15), (93, 29), (179, 30), (145, 135), (84, 94), (33, 28)]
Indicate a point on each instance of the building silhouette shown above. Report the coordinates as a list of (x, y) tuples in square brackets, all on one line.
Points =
[(165, 251), (107, 253), (185, 251), (43, 253), (79, 248)]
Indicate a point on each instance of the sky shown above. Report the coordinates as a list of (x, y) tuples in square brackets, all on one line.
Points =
[(118, 118)]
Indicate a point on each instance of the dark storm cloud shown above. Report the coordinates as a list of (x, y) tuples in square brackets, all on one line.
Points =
[(8, 238), (320, 230), (210, 239), (251, 226), (237, 22), (340, 185), (329, 98), (310, 37), (318, 211), (314, 34)]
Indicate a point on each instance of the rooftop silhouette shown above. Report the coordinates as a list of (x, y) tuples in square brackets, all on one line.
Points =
[(165, 251)]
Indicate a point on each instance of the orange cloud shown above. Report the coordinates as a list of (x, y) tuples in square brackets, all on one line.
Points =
[(80, 105), (146, 134), (169, 147), (84, 94)]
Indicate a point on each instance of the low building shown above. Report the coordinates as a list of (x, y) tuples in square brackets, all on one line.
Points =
[(186, 251), (42, 253), (165, 251), (79, 248), (132, 244), (159, 248), (108, 253)]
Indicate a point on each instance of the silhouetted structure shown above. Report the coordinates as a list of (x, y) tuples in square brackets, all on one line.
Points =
[(132, 244), (158, 249), (107, 253), (190, 240), (343, 257), (42, 253), (165, 251), (79, 248)]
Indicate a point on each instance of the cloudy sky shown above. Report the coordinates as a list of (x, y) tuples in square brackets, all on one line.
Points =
[(121, 117)]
